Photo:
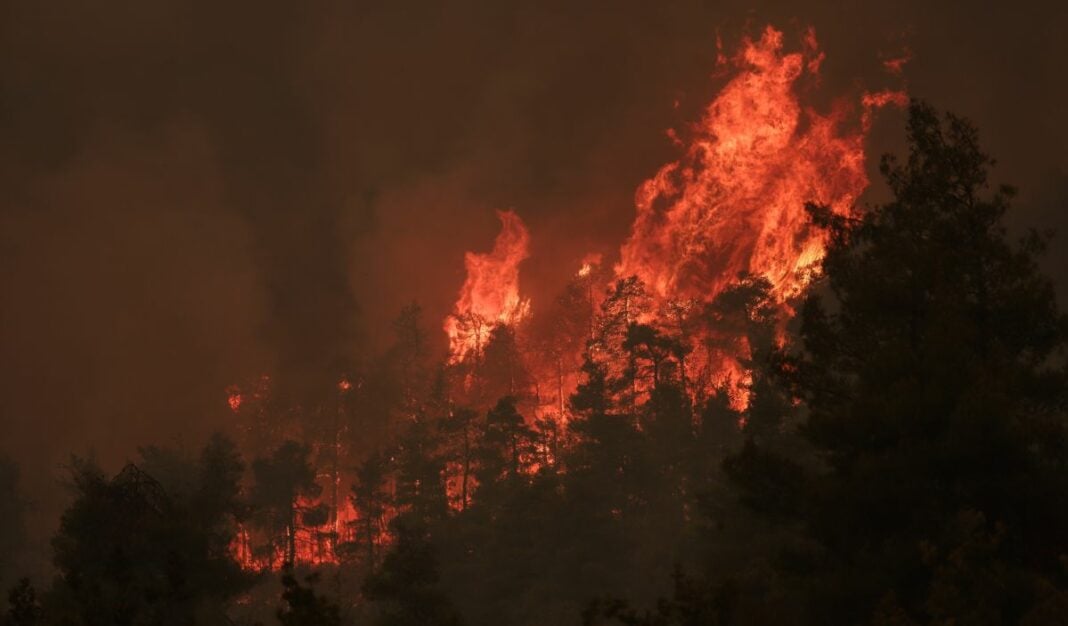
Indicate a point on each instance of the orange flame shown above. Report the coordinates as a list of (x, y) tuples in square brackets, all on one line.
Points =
[(490, 295), (590, 261), (735, 201), (314, 545), (896, 65)]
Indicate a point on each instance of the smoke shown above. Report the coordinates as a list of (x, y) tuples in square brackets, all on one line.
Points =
[(195, 193)]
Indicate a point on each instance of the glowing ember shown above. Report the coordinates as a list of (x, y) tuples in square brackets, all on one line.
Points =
[(234, 398), (896, 64), (490, 295), (344, 385)]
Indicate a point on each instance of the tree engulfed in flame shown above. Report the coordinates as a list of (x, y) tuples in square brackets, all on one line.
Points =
[(490, 294), (735, 202)]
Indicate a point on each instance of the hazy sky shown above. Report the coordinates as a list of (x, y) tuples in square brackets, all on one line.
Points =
[(197, 192)]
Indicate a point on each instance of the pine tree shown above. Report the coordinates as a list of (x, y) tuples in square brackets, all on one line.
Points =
[(460, 428), (217, 503), (405, 589), (371, 500), (932, 370), (560, 336), (420, 487), (626, 303), (281, 480), (505, 446), (503, 370)]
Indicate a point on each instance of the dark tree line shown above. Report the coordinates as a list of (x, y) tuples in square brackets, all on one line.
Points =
[(900, 460), (926, 481)]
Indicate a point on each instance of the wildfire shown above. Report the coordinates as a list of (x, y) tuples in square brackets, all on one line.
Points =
[(490, 294), (731, 205)]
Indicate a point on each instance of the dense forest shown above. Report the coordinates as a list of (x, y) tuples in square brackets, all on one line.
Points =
[(899, 457)]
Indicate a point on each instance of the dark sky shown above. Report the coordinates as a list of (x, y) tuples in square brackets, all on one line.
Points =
[(195, 192)]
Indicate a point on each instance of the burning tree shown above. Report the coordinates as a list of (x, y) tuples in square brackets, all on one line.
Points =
[(283, 482), (371, 500), (490, 294)]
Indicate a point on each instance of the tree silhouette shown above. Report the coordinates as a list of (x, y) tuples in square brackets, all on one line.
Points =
[(404, 589), (280, 481), (24, 609), (128, 553), (303, 606), (370, 498), (419, 483), (459, 427), (505, 446), (931, 369)]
